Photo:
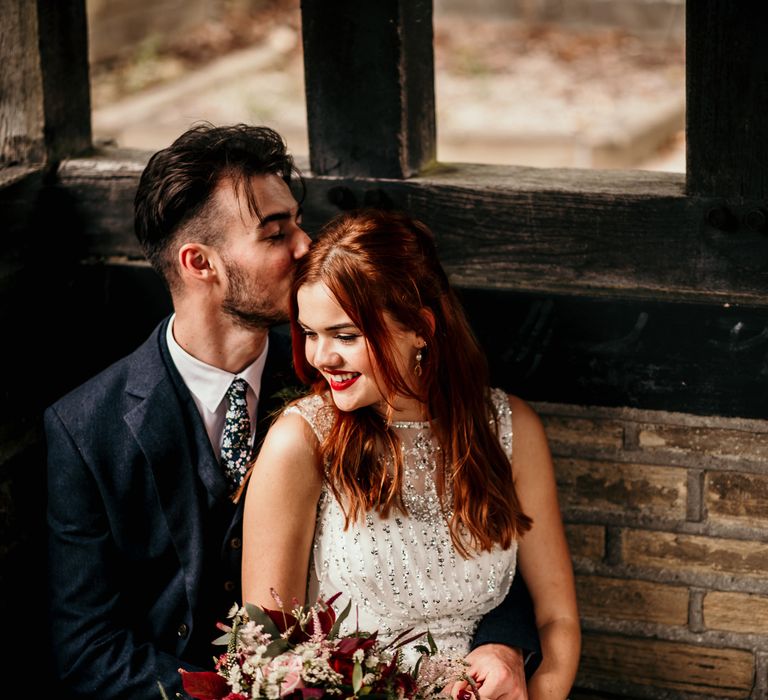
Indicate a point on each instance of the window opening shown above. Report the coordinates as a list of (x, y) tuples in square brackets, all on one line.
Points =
[(592, 84), (158, 68)]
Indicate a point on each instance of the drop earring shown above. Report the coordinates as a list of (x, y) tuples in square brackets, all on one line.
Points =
[(417, 368)]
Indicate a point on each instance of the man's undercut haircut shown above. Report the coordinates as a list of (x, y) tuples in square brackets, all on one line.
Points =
[(176, 188)]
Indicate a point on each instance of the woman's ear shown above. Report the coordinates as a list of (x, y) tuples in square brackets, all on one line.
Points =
[(429, 319), (195, 261)]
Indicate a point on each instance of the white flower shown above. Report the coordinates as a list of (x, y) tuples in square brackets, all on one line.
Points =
[(235, 677), (369, 678), (252, 636), (436, 672)]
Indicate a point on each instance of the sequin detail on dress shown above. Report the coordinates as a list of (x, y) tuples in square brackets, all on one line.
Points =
[(403, 571)]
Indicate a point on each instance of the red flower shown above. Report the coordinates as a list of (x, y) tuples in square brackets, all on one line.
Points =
[(341, 657), (404, 685), (205, 685)]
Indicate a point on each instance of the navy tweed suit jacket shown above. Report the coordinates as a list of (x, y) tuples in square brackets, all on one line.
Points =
[(144, 546)]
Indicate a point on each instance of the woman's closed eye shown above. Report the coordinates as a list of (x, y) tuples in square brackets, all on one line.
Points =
[(347, 337), (341, 337)]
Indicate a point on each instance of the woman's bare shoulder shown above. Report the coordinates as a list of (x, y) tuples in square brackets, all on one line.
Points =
[(524, 417)]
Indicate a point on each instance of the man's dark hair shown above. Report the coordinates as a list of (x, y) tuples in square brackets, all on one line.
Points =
[(175, 188)]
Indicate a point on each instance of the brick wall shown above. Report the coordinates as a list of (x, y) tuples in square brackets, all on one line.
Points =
[(667, 519)]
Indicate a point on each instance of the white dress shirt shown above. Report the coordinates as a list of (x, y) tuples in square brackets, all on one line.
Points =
[(208, 386)]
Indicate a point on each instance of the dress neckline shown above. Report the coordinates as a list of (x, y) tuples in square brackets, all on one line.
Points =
[(412, 424)]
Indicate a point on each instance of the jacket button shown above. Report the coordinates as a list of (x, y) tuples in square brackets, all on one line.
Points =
[(235, 543), (183, 630), (229, 586)]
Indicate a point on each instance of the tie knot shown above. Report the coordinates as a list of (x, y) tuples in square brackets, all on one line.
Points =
[(237, 389)]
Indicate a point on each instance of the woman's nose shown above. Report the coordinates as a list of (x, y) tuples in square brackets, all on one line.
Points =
[(325, 355)]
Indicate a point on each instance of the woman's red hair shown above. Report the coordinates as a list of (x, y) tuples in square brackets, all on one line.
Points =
[(376, 262)]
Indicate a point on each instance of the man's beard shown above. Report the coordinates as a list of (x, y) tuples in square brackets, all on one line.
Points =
[(247, 308)]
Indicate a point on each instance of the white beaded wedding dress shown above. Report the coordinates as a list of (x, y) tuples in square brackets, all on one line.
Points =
[(403, 571)]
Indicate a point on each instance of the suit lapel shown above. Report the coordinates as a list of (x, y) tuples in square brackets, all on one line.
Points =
[(159, 426), (170, 433)]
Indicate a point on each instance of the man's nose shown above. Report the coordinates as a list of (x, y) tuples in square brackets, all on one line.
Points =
[(302, 244)]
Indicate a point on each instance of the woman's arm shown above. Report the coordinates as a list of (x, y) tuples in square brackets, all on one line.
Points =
[(543, 558), (279, 519)]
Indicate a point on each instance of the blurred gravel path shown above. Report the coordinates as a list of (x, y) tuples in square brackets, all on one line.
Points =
[(505, 93)]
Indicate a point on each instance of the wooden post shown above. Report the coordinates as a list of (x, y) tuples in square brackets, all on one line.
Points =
[(727, 96), (369, 72), (45, 112)]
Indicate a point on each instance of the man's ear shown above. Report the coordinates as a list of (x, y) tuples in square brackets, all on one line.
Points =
[(195, 260)]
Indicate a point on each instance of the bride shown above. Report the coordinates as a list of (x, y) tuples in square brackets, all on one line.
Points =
[(430, 488)]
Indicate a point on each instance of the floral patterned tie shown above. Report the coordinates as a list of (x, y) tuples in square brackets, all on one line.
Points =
[(235, 450)]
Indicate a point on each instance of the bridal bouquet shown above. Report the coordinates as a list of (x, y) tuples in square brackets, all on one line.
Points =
[(300, 655)]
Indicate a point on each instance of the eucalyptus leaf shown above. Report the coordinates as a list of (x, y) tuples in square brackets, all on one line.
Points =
[(357, 677), (277, 647), (223, 640), (257, 615), (431, 642), (415, 672), (339, 620)]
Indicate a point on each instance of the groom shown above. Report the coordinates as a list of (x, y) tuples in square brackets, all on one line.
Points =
[(143, 459)]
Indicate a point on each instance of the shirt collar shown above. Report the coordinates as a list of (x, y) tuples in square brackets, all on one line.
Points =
[(208, 383)]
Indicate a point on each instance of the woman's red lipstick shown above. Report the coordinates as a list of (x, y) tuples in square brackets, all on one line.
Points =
[(341, 385)]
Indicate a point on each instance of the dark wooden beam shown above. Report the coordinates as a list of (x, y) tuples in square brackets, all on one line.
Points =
[(45, 113), (634, 235), (66, 86), (586, 287), (21, 113), (727, 95), (369, 73), (706, 359), (628, 234)]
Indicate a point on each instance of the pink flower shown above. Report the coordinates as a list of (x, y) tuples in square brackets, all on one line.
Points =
[(289, 667)]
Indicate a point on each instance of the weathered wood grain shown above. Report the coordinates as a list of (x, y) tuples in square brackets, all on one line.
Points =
[(369, 76), (727, 91), (627, 234), (702, 358), (21, 87), (45, 111)]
